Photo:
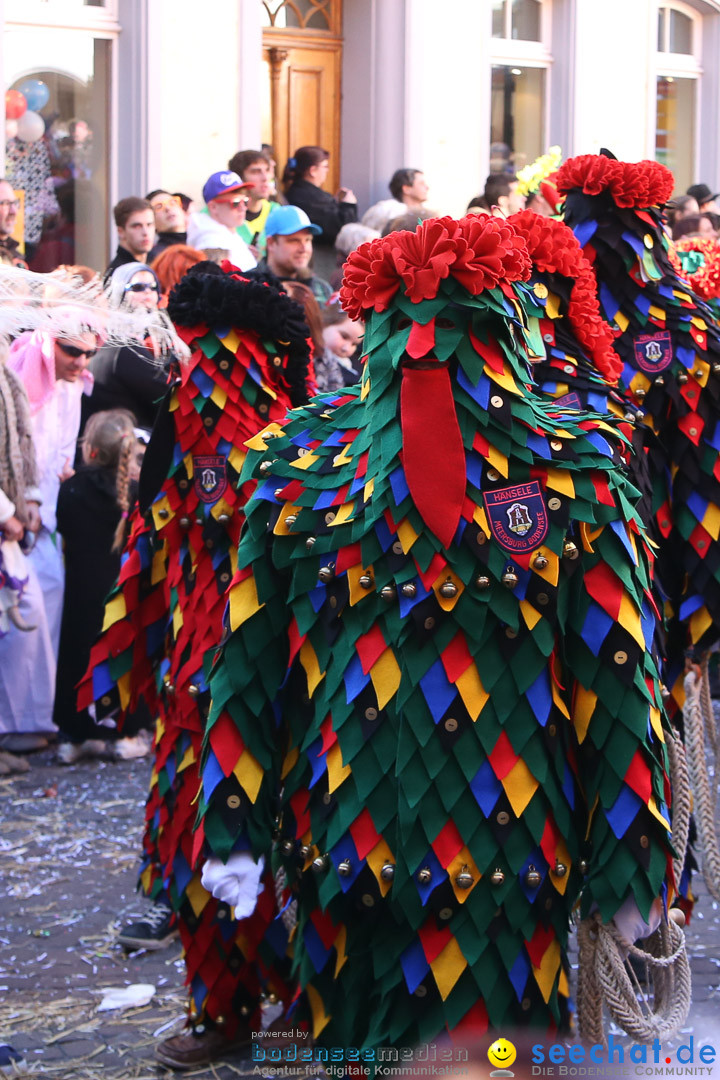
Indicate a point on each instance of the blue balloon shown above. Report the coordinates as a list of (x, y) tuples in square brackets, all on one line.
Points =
[(36, 93)]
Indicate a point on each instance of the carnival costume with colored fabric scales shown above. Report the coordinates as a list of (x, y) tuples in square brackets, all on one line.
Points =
[(441, 649), (670, 347), (249, 364)]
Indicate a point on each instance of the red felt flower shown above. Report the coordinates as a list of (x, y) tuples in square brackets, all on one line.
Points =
[(493, 253), (554, 249), (631, 184), (423, 258)]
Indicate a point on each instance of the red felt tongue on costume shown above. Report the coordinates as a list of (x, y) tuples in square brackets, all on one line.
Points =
[(433, 454)]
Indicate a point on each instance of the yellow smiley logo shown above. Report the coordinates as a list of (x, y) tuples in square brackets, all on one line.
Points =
[(502, 1053)]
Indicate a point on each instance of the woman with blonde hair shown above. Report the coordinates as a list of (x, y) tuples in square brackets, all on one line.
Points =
[(92, 515)]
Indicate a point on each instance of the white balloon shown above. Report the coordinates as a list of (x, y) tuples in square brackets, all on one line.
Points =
[(30, 126), (11, 127)]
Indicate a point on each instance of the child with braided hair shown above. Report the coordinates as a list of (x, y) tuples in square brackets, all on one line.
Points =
[(93, 509)]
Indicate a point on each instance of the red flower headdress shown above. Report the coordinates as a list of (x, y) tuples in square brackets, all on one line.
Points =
[(479, 252), (705, 281), (554, 249), (631, 184)]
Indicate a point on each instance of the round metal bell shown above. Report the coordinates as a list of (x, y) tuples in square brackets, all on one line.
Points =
[(660, 381), (482, 582), (540, 562), (278, 492), (716, 369), (388, 593), (287, 847), (448, 589), (409, 590), (464, 880), (193, 690), (290, 520), (682, 378), (630, 417), (583, 866), (425, 875), (570, 550), (497, 877), (640, 394), (533, 878), (272, 999), (304, 851), (320, 864), (184, 523), (387, 872), (509, 578), (163, 513), (265, 466), (223, 518), (344, 868), (309, 543), (170, 687), (560, 869), (365, 581), (199, 520), (326, 573)]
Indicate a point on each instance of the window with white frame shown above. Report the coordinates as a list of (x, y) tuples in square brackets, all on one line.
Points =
[(678, 72), (520, 68)]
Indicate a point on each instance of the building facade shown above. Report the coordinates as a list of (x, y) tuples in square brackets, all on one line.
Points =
[(133, 95)]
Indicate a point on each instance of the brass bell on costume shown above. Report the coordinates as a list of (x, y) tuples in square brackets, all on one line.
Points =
[(365, 581), (560, 869), (497, 877), (193, 690), (448, 589), (326, 573), (320, 864), (409, 590), (184, 522), (287, 847), (482, 581), (310, 542), (640, 394), (682, 378), (290, 520), (583, 866), (388, 593), (464, 879), (304, 851), (344, 868), (570, 550), (425, 875), (540, 562), (533, 878), (510, 578), (387, 872), (223, 518)]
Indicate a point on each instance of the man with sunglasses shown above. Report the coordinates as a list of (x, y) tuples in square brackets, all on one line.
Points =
[(170, 221), (8, 214), (215, 229)]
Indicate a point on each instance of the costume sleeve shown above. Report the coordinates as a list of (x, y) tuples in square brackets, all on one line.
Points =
[(242, 754), (143, 378), (617, 716)]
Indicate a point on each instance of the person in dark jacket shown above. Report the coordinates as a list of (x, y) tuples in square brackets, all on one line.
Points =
[(92, 513), (304, 175)]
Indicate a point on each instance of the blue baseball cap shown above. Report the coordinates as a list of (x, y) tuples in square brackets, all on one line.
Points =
[(286, 220), (220, 183)]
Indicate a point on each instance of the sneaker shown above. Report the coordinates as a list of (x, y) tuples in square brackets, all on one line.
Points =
[(68, 753), (153, 931), (9, 1059), (12, 763), (135, 746), (199, 1047)]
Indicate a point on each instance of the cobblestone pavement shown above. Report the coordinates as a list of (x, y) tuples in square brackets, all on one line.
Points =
[(68, 856)]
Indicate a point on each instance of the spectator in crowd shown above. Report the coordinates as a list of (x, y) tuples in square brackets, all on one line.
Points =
[(8, 213), (135, 223), (407, 222), (185, 201), (478, 205), (172, 264), (170, 221), (92, 513), (706, 200), (128, 377), (303, 295), (677, 209), (350, 237), (290, 236), (269, 153), (215, 228), (27, 661), (709, 217), (409, 191), (700, 225), (501, 194), (335, 367), (304, 175), (53, 370), (253, 167)]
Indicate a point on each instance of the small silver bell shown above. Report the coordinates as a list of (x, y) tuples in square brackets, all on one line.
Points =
[(290, 520), (448, 589), (409, 590), (320, 864), (193, 690), (425, 875), (464, 880), (570, 550), (387, 872), (223, 518), (326, 573), (482, 581), (309, 543), (344, 868), (163, 513), (365, 581), (682, 378), (560, 869), (304, 851), (287, 847), (640, 394), (388, 593), (540, 562), (583, 866), (509, 578), (497, 877), (533, 878), (184, 523)]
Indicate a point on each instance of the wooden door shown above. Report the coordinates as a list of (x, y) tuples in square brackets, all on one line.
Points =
[(302, 48)]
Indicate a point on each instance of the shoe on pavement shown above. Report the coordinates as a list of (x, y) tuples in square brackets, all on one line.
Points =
[(18, 742), (10, 763), (134, 746), (153, 931), (68, 753), (9, 1058), (196, 1048)]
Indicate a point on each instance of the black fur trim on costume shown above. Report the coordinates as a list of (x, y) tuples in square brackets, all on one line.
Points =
[(221, 300)]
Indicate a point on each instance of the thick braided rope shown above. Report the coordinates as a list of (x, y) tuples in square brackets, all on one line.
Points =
[(288, 913), (608, 978), (707, 706), (681, 801), (704, 801)]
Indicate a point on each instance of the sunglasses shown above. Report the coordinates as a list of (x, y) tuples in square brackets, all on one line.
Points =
[(10, 202), (141, 286), (161, 204), (75, 352), (233, 202)]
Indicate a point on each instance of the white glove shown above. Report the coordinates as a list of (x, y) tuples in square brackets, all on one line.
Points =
[(236, 882), (630, 923)]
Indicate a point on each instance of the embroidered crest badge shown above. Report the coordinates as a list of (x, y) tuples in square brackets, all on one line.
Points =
[(653, 352), (210, 472), (517, 516), (569, 401)]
